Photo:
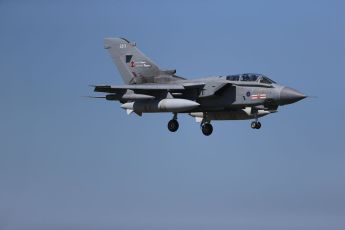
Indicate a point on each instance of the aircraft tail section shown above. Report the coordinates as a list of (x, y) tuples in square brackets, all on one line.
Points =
[(132, 64)]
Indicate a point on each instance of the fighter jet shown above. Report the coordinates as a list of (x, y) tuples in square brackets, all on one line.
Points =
[(149, 89)]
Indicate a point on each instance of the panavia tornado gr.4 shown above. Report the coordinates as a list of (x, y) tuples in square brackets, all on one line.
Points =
[(149, 89)]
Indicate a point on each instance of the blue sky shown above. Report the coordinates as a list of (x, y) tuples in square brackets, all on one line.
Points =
[(67, 162)]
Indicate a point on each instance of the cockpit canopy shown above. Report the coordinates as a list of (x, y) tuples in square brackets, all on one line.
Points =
[(250, 77)]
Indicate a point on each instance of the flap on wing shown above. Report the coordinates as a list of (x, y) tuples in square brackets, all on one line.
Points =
[(108, 89), (123, 88), (150, 87)]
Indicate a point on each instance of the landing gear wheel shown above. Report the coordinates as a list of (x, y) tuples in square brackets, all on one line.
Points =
[(255, 125), (173, 125), (207, 129)]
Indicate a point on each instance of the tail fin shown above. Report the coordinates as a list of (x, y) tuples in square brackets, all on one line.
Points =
[(132, 64)]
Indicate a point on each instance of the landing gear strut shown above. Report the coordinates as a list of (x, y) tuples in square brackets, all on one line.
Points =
[(173, 124)]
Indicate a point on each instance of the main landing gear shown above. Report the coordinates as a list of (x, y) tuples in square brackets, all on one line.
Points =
[(206, 128), (205, 125), (173, 124)]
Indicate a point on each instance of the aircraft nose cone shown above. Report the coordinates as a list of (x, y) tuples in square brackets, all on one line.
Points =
[(289, 95)]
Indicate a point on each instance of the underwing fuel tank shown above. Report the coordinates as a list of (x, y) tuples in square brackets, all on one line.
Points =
[(165, 105)]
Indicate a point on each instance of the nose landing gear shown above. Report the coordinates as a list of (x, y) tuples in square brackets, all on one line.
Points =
[(256, 124)]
